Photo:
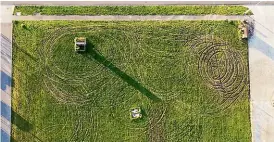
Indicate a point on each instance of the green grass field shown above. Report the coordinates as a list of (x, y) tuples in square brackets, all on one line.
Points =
[(190, 79), (133, 10)]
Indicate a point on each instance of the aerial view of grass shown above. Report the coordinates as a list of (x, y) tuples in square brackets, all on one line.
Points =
[(189, 78), (134, 10)]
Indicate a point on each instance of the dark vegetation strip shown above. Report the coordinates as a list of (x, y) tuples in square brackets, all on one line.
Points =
[(133, 10)]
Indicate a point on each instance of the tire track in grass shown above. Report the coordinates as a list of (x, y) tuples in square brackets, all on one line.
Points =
[(207, 50), (228, 77)]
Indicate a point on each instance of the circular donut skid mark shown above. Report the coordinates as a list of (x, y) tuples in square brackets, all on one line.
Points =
[(58, 79), (222, 69)]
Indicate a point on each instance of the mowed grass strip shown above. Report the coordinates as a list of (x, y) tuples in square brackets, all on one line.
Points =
[(60, 95), (133, 10)]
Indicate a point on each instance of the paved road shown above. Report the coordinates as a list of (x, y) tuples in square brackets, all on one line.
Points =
[(130, 18), (261, 64), (6, 66), (197, 2)]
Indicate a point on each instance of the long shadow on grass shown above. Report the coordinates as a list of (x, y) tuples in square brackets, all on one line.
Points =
[(102, 60), (20, 122), (17, 48)]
